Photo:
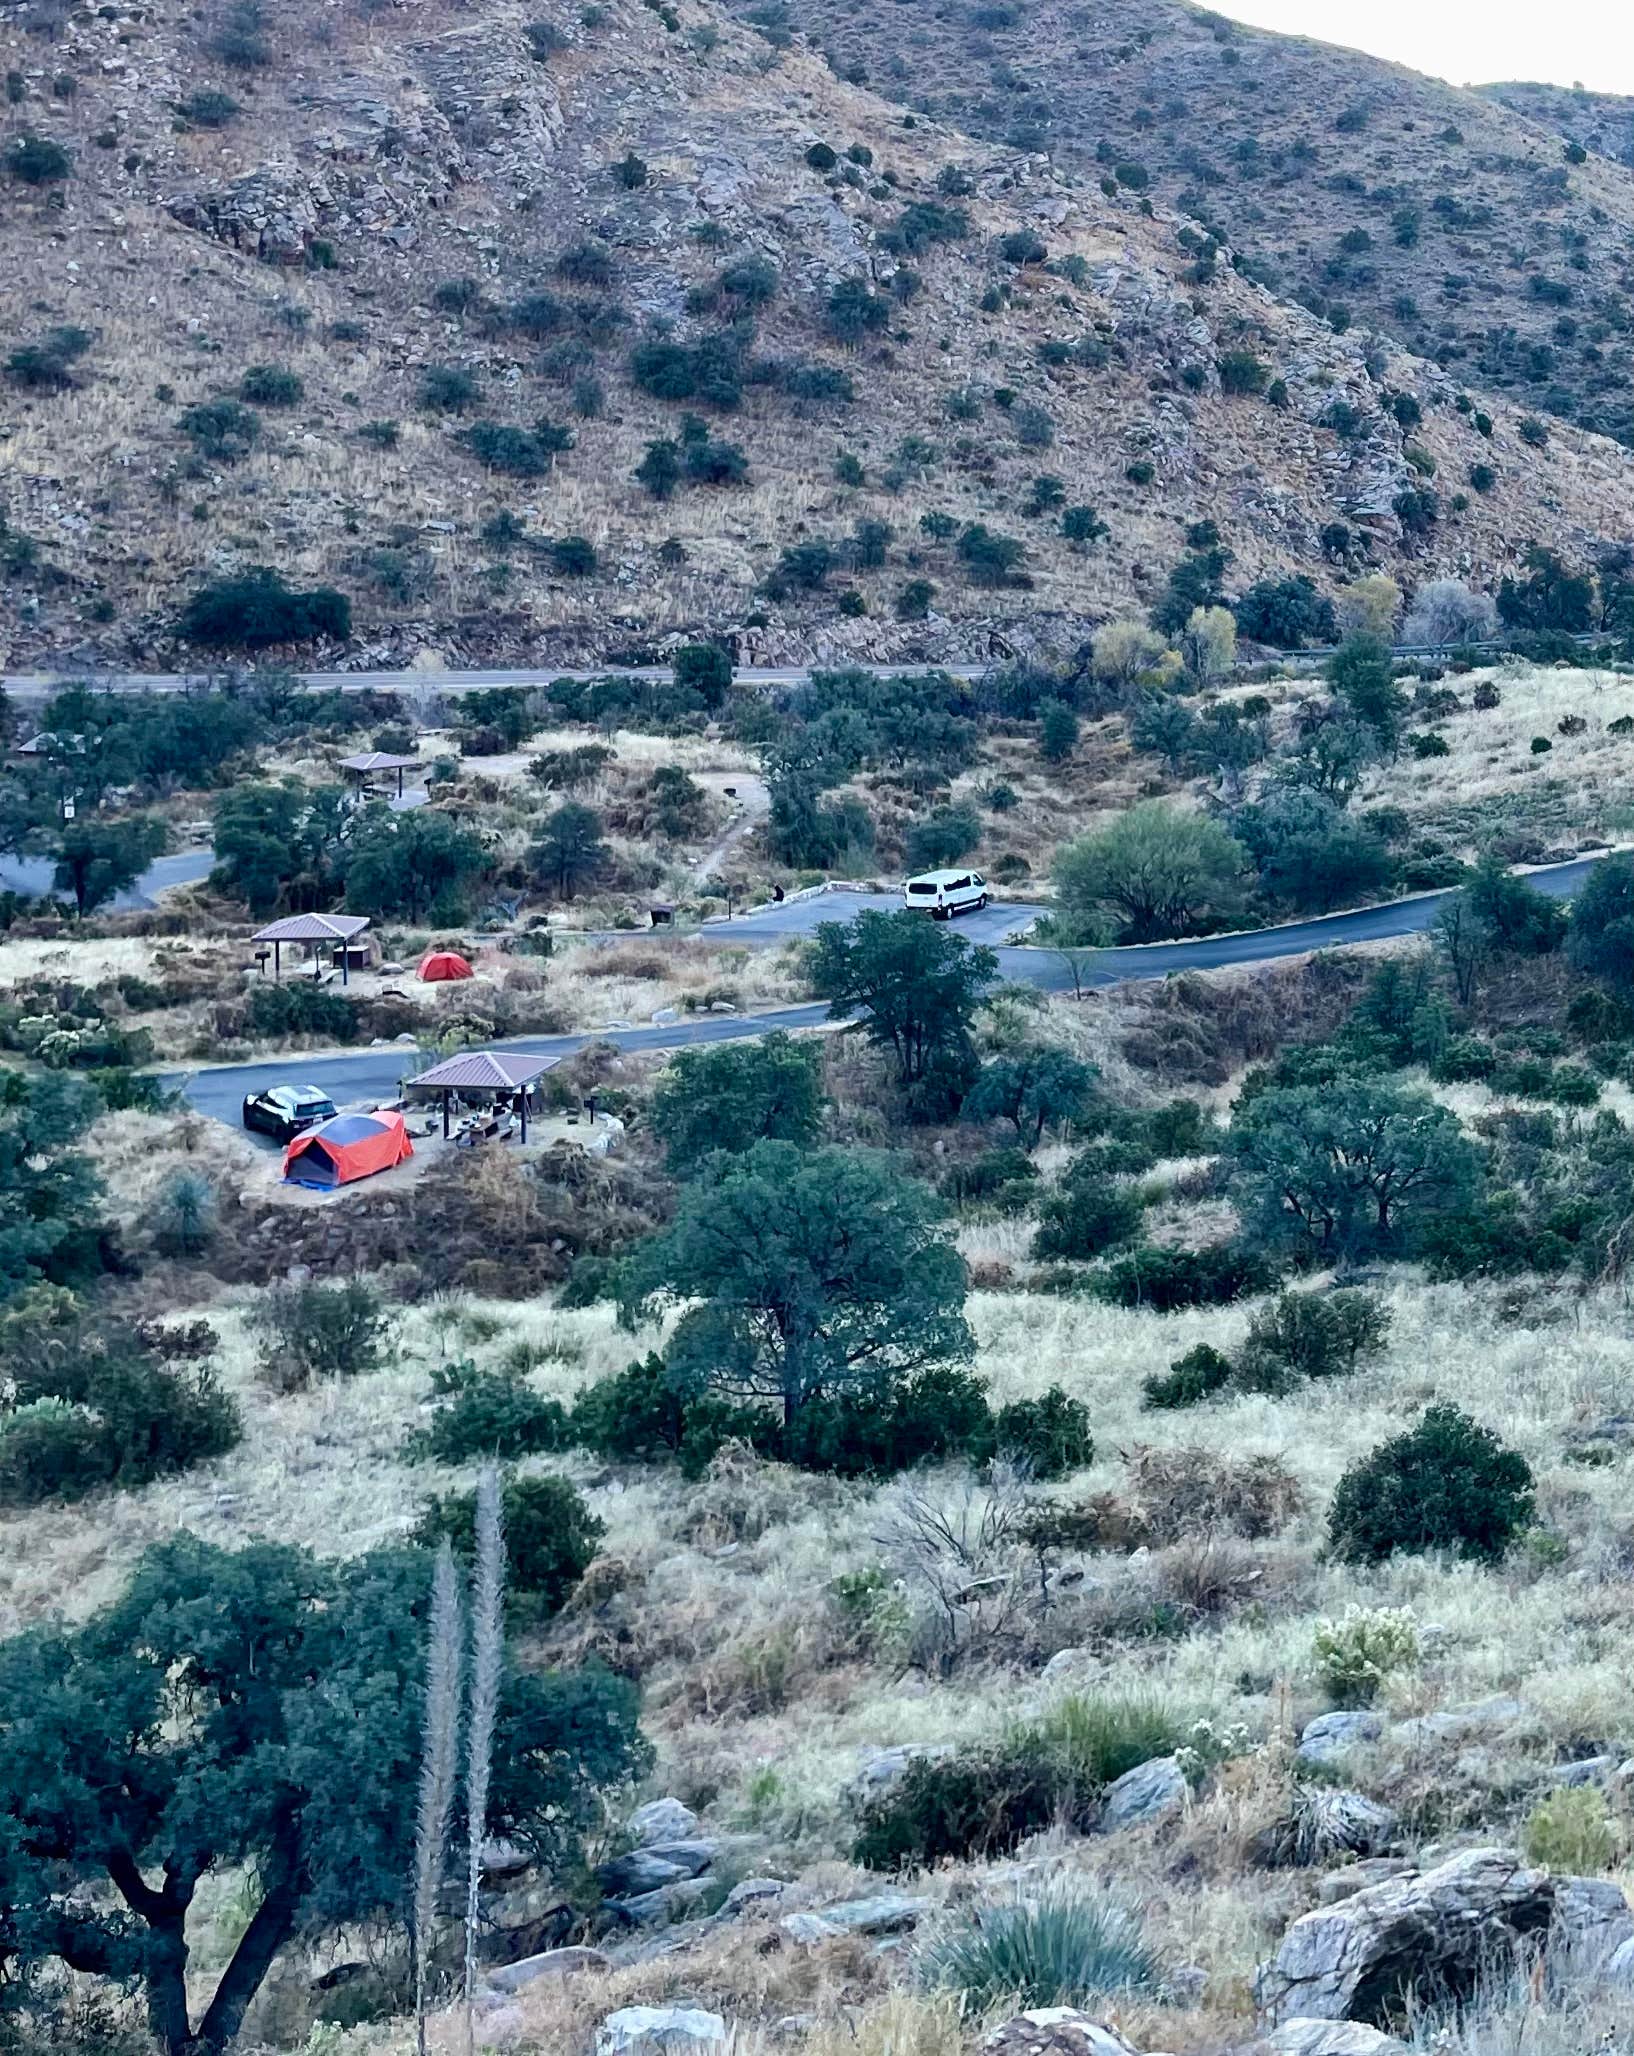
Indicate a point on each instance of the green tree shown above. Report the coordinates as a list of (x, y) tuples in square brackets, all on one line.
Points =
[(1601, 938), (1362, 673), (417, 866), (49, 1224), (1057, 731), (281, 845), (97, 858), (736, 1094), (1158, 872), (1349, 1164), (807, 1273), (253, 1714), (550, 1539), (942, 838), (1164, 725), (660, 468), (568, 852), (706, 669), (1496, 915), (915, 985), (1031, 1088)]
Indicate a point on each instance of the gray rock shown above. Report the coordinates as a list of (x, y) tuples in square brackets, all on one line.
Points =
[(660, 1908), (691, 1856), (1591, 1924), (511, 1977), (1331, 2038), (881, 1768), (751, 1892), (639, 1871), (1351, 1821), (660, 2031), (1150, 1792), (1056, 2031), (891, 1913), (1340, 1962), (1332, 1735), (1618, 1973), (661, 1820), (504, 1860), (1357, 1877), (1588, 1770), (1455, 1723)]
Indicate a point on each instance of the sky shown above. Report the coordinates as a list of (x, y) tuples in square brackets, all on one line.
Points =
[(1471, 42)]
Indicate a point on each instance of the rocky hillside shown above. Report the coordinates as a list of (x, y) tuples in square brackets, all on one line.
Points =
[(1458, 222), (553, 334)]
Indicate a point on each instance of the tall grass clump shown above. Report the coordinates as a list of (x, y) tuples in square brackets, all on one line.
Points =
[(1063, 1946), (1097, 1739)]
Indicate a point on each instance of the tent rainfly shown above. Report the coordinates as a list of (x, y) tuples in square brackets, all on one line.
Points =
[(314, 930), (498, 1074), (438, 966), (349, 1147)]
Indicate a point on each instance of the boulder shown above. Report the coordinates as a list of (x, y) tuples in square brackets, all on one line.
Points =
[(1056, 2031), (881, 1768), (750, 1892), (660, 2031), (1460, 1723), (638, 1872), (1330, 2038), (693, 1856), (890, 1913), (1357, 1877), (1352, 1961), (1587, 1770), (662, 1820), (1332, 1735), (511, 1977), (1590, 1925), (660, 1908), (1150, 1792)]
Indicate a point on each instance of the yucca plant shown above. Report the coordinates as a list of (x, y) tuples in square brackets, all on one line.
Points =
[(1062, 1946)]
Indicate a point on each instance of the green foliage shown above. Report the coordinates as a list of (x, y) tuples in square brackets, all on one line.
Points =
[(1363, 676), (36, 161), (97, 857), (706, 669), (517, 452), (221, 431), (550, 1538), (709, 370), (1057, 731), (288, 1689), (1168, 1279), (1601, 938), (1086, 1215), (936, 1413), (1032, 1088), (47, 366), (989, 557), (915, 985), (1203, 1373), (1572, 1832), (1068, 1945), (312, 1332), (631, 171), (1550, 598), (942, 838), (1154, 873), (1448, 1484), (492, 1414), (735, 1094), (447, 389), (568, 852), (256, 610), (1049, 1436), (1349, 1164), (269, 385), (1241, 372), (95, 1403), (1303, 1335), (1286, 614), (854, 310), (417, 866), (805, 1274)]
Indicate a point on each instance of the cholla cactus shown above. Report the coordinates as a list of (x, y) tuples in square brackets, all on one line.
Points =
[(1208, 1744), (1355, 1654)]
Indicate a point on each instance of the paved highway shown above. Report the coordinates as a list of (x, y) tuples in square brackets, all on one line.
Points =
[(374, 1074), (34, 685)]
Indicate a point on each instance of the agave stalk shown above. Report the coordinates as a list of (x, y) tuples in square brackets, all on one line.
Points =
[(487, 1657), (439, 1764)]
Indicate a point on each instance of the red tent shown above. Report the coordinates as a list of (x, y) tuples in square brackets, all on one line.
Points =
[(438, 964), (347, 1147)]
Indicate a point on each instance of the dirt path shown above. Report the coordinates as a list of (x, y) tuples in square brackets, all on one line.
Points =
[(752, 803)]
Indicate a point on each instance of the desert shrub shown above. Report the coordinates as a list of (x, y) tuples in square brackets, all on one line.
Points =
[(1572, 1832), (1165, 1279), (550, 1538), (1086, 1216), (1310, 1335), (269, 385), (279, 1011), (937, 1413), (222, 431), (184, 1214), (447, 389), (1096, 1737), (37, 161), (1356, 1653), (1202, 1373), (1065, 1945), (257, 609), (312, 1331), (979, 1803), (90, 1404), (490, 1414), (1049, 1436), (1002, 1177), (1447, 1484), (1186, 1492), (47, 366)]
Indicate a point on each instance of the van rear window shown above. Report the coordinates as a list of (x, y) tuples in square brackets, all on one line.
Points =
[(925, 891)]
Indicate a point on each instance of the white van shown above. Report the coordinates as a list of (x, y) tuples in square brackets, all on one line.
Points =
[(945, 893)]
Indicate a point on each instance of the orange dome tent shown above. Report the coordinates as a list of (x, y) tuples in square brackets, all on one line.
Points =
[(438, 965), (348, 1147)]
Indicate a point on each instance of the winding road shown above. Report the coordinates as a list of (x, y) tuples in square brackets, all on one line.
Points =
[(374, 1074)]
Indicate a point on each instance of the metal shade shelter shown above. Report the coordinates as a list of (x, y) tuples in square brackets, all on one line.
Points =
[(373, 763), (503, 1074), (312, 929)]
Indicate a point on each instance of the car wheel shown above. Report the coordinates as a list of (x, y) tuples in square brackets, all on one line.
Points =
[(941, 913), (981, 903)]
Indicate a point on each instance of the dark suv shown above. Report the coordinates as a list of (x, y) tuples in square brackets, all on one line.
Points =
[(284, 1111)]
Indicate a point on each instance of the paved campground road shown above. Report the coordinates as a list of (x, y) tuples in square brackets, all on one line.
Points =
[(35, 685), (376, 1073)]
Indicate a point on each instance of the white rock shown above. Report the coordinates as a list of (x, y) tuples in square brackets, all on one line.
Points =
[(660, 2031)]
